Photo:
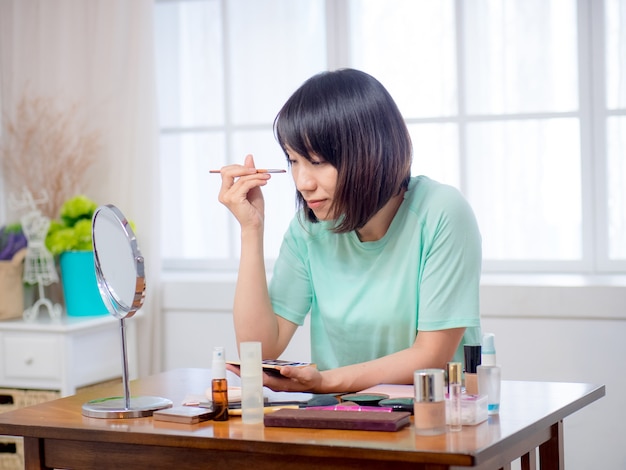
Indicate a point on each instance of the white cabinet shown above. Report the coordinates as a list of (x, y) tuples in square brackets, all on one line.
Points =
[(64, 354)]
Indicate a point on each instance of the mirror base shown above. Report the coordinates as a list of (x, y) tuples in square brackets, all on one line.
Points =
[(115, 407)]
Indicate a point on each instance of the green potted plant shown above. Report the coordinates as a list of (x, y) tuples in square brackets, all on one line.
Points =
[(69, 239)]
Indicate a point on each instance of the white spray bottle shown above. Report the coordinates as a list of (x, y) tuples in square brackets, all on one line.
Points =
[(489, 374)]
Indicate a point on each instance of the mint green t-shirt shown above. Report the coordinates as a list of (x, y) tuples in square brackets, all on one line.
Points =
[(370, 299)]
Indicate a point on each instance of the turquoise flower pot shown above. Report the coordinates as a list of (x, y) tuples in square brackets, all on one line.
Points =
[(80, 287)]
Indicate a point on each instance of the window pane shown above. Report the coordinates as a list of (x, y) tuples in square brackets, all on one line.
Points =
[(409, 46), (279, 194), (224, 70), (275, 45), (226, 66), (615, 14), (524, 182), (616, 162), (188, 37), (435, 152), (520, 56), (193, 220)]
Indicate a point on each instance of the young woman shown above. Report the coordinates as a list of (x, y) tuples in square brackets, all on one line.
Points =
[(386, 264)]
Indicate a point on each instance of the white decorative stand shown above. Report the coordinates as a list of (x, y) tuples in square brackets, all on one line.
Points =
[(39, 267)]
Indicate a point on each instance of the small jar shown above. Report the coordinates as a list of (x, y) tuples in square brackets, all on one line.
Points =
[(429, 406)]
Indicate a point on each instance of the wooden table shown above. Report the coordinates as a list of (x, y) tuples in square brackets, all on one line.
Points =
[(56, 435)]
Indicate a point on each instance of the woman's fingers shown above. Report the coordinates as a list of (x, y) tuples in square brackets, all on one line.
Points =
[(294, 379), (235, 189)]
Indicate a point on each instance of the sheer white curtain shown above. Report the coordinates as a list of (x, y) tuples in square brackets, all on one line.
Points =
[(98, 55)]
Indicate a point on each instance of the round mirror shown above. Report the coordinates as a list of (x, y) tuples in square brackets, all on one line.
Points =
[(118, 262), (120, 273)]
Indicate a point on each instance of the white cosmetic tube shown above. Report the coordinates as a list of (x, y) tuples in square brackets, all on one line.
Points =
[(251, 383)]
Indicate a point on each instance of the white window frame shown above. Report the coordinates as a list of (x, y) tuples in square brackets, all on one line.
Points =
[(592, 114)]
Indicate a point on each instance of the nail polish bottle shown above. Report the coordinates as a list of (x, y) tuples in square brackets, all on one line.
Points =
[(219, 385), (429, 406), (489, 375), (472, 361), (455, 377)]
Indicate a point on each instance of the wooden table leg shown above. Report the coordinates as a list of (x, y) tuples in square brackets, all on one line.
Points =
[(33, 454), (551, 455), (529, 460)]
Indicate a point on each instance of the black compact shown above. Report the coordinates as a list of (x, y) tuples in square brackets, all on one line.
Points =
[(398, 404)]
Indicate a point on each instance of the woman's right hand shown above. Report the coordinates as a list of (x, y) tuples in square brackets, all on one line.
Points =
[(241, 193)]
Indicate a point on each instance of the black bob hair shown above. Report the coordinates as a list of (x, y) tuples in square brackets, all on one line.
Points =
[(351, 121)]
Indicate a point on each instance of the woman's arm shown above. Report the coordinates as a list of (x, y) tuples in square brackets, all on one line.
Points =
[(254, 317), (253, 314), (431, 349)]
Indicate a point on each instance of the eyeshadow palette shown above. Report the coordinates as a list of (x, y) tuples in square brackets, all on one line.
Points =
[(336, 419)]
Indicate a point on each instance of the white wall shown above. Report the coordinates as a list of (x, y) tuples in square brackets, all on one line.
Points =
[(563, 329), (197, 316)]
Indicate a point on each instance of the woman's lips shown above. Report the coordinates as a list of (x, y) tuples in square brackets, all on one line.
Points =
[(315, 203)]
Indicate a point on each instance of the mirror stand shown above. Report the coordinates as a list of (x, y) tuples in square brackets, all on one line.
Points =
[(126, 406), (121, 282)]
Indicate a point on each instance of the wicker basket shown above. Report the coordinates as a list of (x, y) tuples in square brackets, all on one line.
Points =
[(12, 448), (12, 286), (11, 453)]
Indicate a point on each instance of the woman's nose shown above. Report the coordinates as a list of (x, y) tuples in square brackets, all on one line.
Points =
[(303, 179)]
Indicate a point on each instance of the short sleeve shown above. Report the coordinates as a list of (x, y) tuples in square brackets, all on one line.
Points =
[(290, 286), (449, 285)]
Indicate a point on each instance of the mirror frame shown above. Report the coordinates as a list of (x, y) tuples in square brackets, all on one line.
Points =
[(116, 306)]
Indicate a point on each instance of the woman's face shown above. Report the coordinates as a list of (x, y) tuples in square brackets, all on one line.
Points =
[(316, 180)]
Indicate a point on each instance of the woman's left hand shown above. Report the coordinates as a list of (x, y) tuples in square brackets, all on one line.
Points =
[(292, 379)]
